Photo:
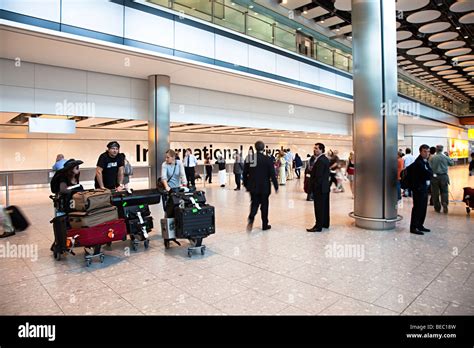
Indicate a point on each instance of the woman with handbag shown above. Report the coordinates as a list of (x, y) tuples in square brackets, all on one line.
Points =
[(172, 177), (127, 172)]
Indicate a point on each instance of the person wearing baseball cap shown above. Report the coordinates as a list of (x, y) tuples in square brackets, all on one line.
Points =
[(110, 168)]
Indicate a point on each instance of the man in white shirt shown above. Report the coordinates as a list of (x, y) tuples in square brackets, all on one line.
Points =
[(190, 162), (408, 159)]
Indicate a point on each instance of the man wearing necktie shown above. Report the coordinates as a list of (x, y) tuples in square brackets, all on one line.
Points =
[(190, 163)]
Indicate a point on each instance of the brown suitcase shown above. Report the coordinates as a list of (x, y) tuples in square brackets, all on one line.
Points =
[(91, 200), (92, 218)]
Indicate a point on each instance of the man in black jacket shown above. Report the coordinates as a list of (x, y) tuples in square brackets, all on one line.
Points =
[(420, 173), (319, 186), (258, 171)]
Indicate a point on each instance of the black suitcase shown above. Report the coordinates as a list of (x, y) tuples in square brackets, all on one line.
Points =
[(19, 221), (183, 200), (191, 222), (137, 197), (134, 226), (131, 212)]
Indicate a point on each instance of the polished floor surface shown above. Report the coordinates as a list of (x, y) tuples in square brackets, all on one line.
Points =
[(285, 270)]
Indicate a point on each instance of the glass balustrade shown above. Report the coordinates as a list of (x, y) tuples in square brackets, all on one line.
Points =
[(244, 20)]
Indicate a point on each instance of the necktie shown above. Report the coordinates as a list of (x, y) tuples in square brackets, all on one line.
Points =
[(188, 161)]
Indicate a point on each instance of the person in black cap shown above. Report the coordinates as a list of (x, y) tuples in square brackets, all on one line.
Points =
[(110, 168)]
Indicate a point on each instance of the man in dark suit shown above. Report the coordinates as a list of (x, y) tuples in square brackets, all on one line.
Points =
[(319, 186), (420, 173), (258, 171)]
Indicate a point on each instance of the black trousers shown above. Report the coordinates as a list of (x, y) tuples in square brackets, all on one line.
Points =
[(298, 172), (321, 209), (258, 199), (209, 174), (418, 212), (190, 175), (237, 180)]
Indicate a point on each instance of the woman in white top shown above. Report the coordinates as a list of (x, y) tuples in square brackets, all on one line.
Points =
[(173, 175)]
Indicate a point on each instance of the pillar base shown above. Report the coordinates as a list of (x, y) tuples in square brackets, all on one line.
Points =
[(374, 223)]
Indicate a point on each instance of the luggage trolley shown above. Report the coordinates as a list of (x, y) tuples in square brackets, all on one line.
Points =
[(187, 217), (133, 207)]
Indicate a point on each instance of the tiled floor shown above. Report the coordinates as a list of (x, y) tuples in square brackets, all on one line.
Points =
[(284, 271)]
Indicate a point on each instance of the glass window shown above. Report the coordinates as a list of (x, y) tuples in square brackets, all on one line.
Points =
[(232, 16), (285, 38), (324, 54), (341, 61)]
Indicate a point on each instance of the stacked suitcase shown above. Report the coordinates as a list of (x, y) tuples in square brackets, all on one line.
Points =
[(188, 217)]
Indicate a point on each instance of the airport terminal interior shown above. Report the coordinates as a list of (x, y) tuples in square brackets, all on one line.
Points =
[(368, 79)]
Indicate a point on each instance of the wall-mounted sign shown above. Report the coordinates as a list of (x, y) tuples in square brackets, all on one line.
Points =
[(458, 148), (51, 125), (470, 134)]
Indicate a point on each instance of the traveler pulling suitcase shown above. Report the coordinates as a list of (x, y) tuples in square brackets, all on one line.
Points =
[(188, 217)]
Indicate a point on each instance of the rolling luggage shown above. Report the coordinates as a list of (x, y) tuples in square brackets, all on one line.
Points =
[(191, 222), (91, 200), (18, 219), (468, 198), (183, 199), (131, 212), (81, 219), (95, 237)]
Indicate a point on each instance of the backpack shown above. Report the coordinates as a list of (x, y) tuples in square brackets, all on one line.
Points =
[(406, 178)]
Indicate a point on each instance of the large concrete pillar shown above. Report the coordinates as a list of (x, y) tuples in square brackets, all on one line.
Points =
[(374, 49), (158, 124)]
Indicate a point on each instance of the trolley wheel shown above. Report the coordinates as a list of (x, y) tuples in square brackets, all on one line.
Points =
[(109, 244), (468, 210), (203, 251), (57, 256), (102, 257), (146, 243), (167, 244), (88, 262), (133, 245), (190, 253)]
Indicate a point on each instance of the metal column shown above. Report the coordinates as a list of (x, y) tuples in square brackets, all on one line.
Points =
[(374, 49), (158, 124)]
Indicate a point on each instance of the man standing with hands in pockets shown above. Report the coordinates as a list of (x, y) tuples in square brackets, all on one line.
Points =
[(319, 186)]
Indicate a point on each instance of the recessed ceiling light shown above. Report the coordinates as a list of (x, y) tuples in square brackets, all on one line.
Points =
[(305, 10), (457, 28), (466, 37), (251, 6), (298, 29), (322, 21)]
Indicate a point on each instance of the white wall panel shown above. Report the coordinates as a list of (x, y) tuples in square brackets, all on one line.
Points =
[(184, 95), (263, 60), (287, 67), (44, 9), (62, 79), (139, 89), (327, 79), (194, 40), (112, 85), (309, 74), (146, 27), (343, 84), (139, 109), (106, 106), (232, 51), (98, 15), (52, 102), (21, 76), (19, 99)]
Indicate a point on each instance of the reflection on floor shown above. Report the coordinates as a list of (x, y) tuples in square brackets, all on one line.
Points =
[(284, 271)]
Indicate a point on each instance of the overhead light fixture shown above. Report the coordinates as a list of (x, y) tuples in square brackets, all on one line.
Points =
[(305, 10), (466, 37), (284, 2), (251, 6), (298, 28), (457, 28), (337, 28), (321, 21)]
